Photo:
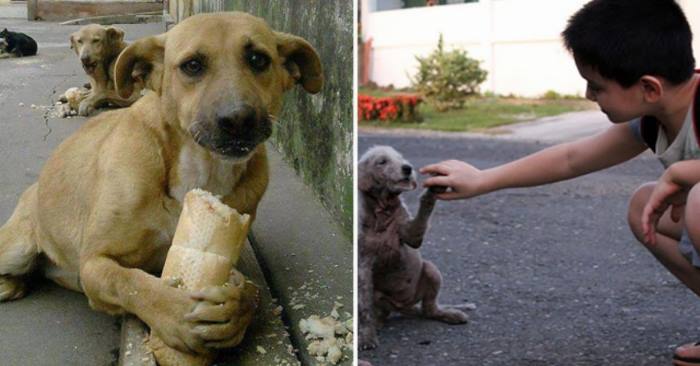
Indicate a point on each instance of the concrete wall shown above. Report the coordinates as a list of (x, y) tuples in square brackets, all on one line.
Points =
[(314, 132), (517, 41)]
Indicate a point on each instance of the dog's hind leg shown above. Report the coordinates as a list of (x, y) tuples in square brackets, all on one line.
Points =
[(18, 248), (428, 289)]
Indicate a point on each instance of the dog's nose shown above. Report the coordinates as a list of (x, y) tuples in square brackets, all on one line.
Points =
[(406, 169), (85, 60), (242, 116)]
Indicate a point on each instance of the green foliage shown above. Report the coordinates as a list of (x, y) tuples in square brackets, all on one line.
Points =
[(551, 95), (447, 78)]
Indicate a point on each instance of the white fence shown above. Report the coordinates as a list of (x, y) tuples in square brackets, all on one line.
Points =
[(518, 41)]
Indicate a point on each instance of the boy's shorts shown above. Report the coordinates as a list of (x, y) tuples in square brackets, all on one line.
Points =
[(688, 250)]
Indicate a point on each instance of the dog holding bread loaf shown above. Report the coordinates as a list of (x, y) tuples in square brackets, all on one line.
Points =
[(103, 213)]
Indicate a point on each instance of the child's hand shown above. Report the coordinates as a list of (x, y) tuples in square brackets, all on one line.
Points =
[(666, 193), (461, 177)]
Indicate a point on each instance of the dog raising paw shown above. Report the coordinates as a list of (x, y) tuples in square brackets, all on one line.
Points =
[(392, 274)]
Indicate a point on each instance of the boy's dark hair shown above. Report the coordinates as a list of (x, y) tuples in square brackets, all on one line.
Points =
[(627, 39)]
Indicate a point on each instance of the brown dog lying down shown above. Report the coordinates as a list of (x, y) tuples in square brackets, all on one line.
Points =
[(97, 48), (392, 276), (103, 213)]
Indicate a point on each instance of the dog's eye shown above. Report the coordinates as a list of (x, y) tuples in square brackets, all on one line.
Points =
[(381, 161), (258, 60), (95, 40), (192, 67)]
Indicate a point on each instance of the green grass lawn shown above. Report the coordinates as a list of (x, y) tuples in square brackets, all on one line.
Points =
[(482, 113)]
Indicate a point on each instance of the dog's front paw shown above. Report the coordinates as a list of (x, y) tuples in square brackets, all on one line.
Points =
[(223, 313), (437, 189), (368, 344), (368, 338), (86, 108)]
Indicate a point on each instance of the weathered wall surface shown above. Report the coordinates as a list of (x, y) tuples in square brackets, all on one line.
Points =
[(314, 132), (61, 10)]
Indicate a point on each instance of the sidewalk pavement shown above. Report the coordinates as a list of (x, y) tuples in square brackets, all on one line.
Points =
[(51, 326), (554, 129), (564, 127), (303, 253)]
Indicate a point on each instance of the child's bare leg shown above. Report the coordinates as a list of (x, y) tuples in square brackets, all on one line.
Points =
[(668, 234), (692, 216), (428, 288), (692, 225)]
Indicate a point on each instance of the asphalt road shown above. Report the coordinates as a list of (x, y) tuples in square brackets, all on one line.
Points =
[(554, 272)]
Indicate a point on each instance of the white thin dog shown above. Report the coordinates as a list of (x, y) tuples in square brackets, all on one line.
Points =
[(392, 275)]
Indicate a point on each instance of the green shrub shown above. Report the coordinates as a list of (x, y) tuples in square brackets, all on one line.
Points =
[(551, 95), (447, 78)]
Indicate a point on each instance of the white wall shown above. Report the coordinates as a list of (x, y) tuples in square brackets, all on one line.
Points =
[(691, 8), (518, 41)]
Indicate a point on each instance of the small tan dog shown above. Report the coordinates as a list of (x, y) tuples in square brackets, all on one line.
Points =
[(103, 213), (97, 48)]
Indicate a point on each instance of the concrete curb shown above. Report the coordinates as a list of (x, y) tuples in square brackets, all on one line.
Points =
[(133, 350), (307, 259)]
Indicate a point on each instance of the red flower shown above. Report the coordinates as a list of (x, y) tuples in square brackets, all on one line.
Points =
[(387, 108)]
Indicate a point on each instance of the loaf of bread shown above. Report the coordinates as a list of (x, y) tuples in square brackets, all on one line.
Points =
[(208, 241)]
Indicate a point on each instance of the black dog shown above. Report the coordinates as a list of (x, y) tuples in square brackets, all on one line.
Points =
[(18, 44)]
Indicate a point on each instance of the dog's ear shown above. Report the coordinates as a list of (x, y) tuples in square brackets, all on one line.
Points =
[(301, 60), (364, 180), (141, 62), (115, 34)]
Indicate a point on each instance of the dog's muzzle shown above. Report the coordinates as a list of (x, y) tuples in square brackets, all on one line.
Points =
[(233, 135), (88, 65)]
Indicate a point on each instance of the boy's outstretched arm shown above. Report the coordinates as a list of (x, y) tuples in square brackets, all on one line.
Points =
[(560, 162), (669, 191)]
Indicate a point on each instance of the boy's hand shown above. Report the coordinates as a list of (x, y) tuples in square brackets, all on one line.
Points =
[(461, 177), (666, 193)]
